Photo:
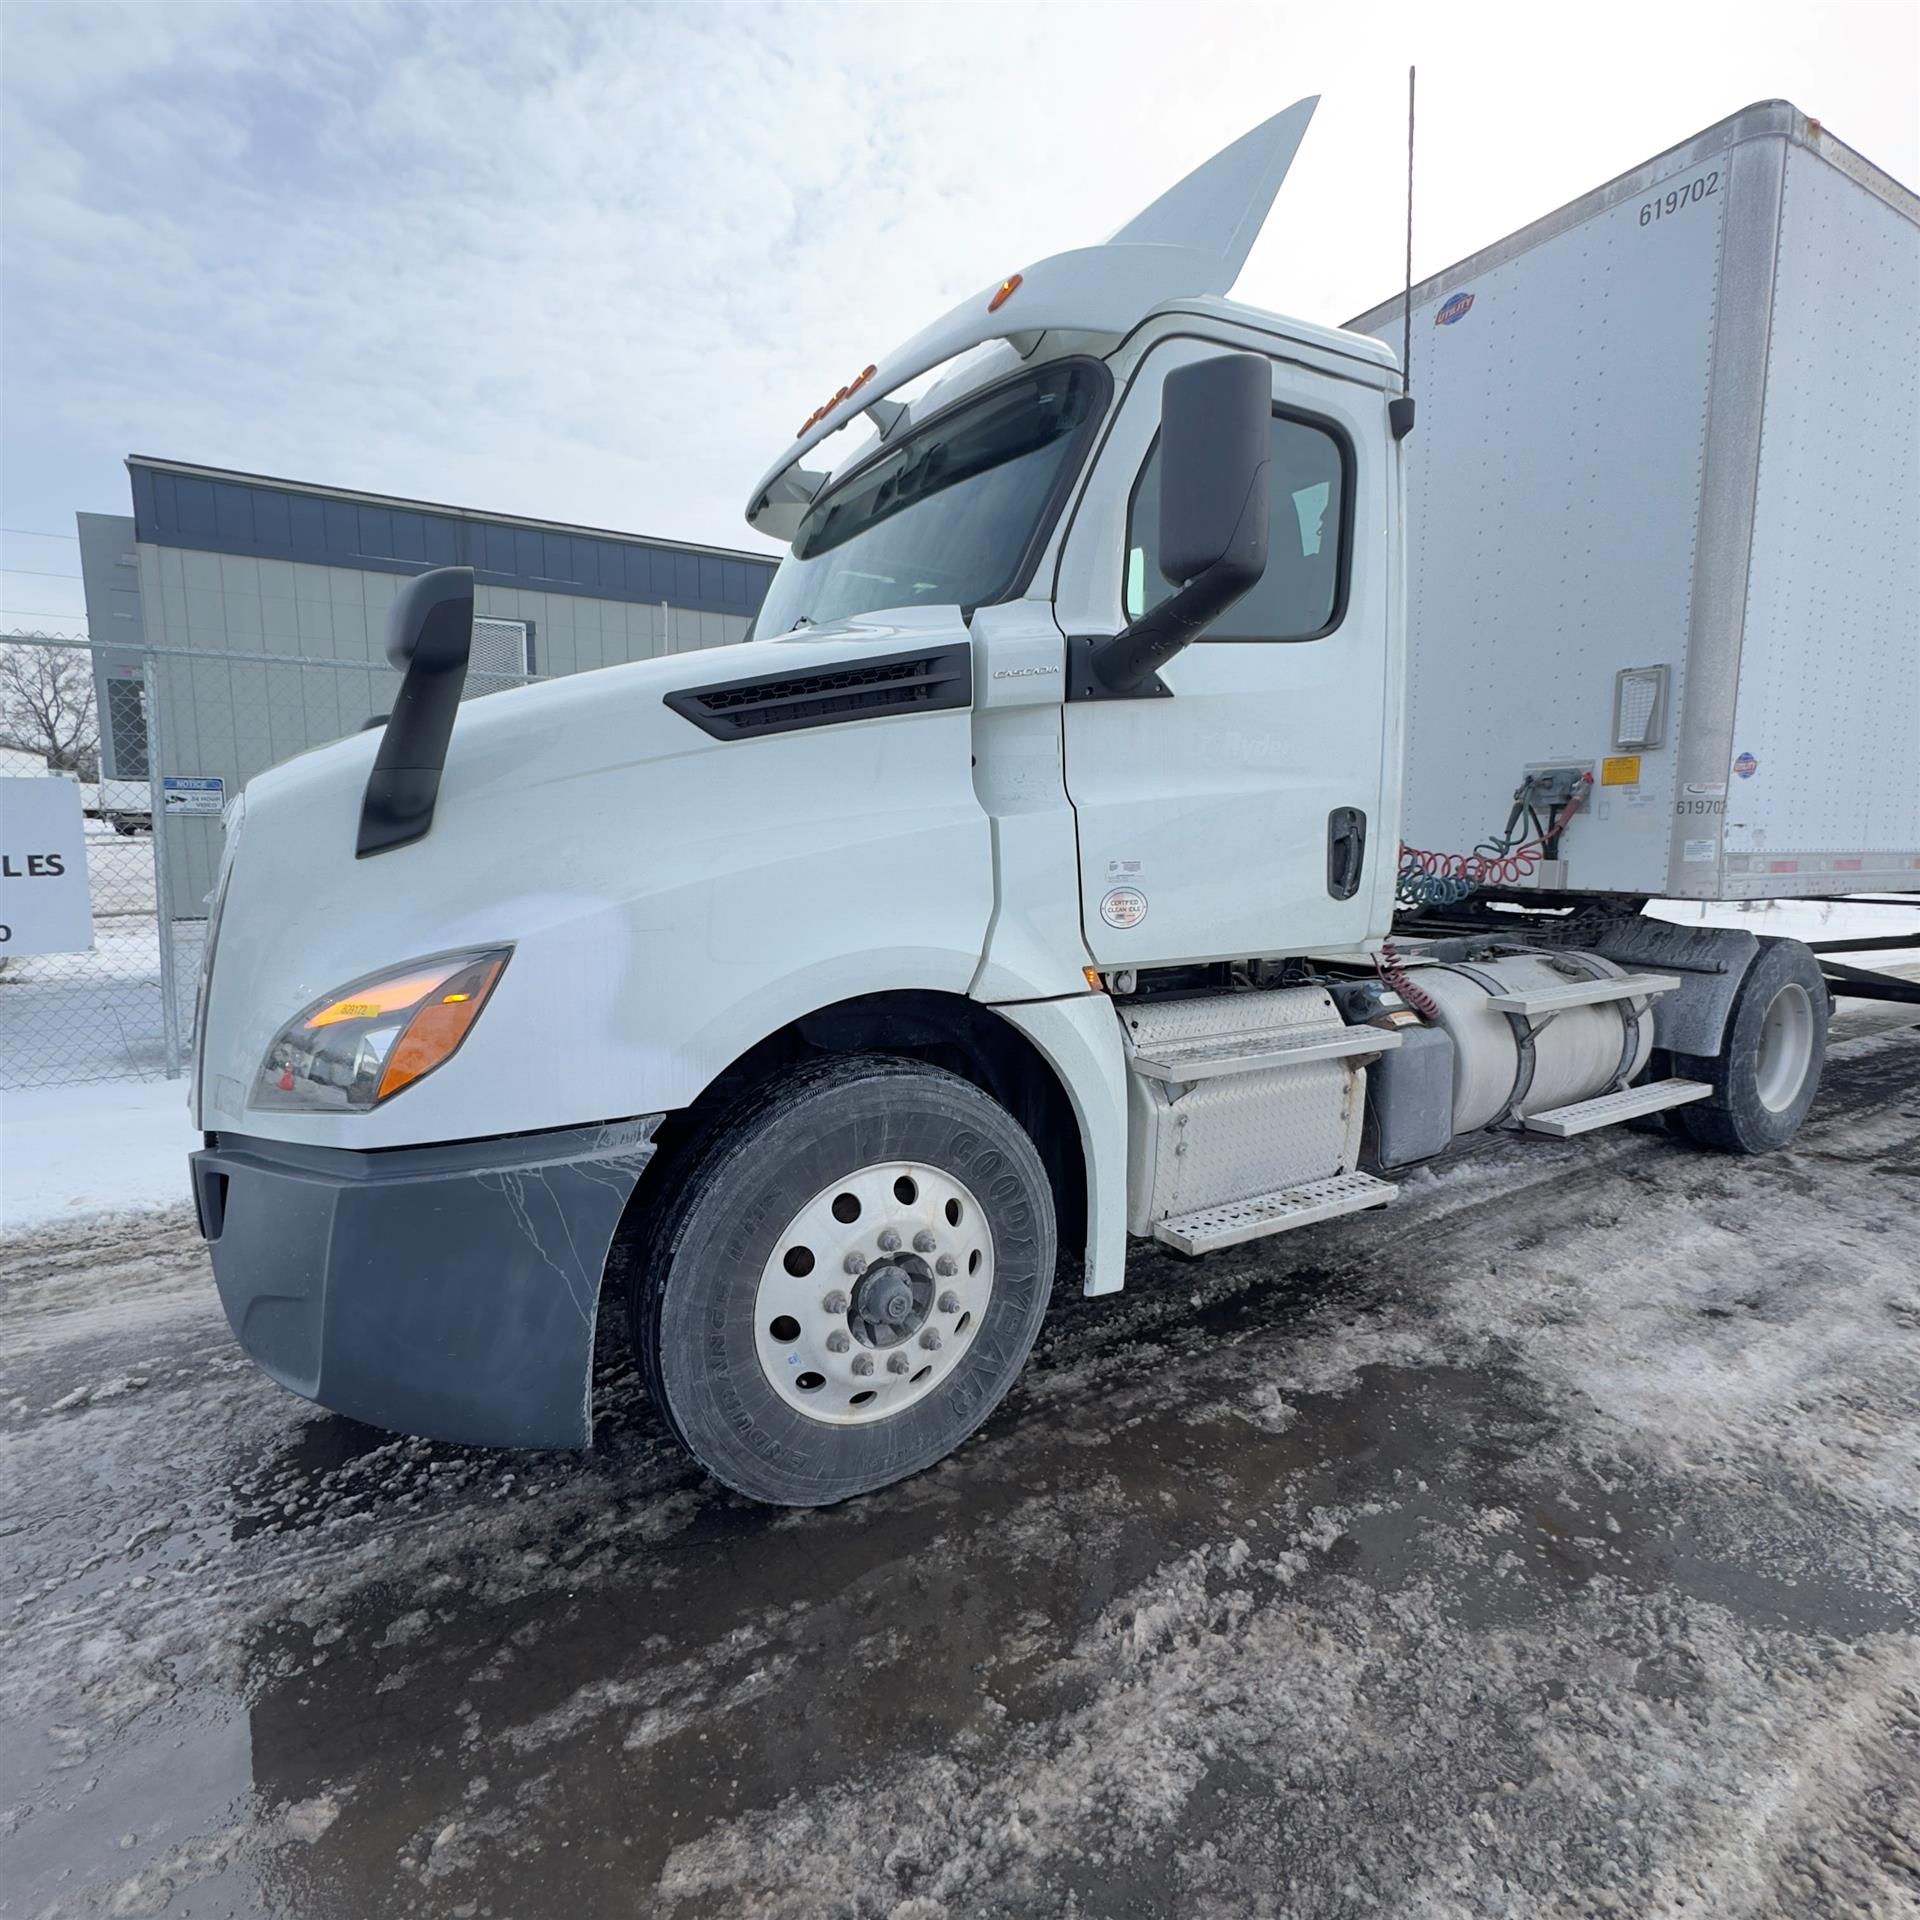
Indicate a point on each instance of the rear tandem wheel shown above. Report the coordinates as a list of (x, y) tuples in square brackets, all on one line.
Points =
[(1767, 1071)]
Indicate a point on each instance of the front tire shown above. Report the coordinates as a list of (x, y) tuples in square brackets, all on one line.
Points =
[(1768, 1069), (845, 1279)]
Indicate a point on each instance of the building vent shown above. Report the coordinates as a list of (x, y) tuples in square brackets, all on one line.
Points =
[(823, 697), (501, 656)]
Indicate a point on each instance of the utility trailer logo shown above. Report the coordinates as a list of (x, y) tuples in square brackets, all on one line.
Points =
[(1746, 766), (1452, 310)]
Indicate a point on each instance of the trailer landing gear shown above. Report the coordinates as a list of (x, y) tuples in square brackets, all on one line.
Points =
[(844, 1280)]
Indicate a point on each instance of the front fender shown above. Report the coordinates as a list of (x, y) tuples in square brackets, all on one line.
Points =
[(670, 899)]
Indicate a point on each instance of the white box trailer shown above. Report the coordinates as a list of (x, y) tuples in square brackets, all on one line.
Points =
[(1664, 524)]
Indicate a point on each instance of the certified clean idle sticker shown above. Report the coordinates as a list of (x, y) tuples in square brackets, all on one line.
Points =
[(1124, 907)]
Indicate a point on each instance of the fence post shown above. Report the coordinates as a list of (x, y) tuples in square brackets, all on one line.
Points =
[(162, 877)]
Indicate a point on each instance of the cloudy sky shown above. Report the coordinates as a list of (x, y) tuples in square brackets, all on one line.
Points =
[(597, 262)]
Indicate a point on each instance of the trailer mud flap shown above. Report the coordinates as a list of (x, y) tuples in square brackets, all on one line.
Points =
[(449, 1291)]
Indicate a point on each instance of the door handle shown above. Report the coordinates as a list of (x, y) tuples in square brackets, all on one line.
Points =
[(1346, 851)]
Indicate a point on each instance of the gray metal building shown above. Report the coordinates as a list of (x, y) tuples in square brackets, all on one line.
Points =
[(255, 610)]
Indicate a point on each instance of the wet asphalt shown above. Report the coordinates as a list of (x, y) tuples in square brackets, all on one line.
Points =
[(1549, 1543)]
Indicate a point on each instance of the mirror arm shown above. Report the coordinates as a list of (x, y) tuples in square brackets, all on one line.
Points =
[(1126, 665)]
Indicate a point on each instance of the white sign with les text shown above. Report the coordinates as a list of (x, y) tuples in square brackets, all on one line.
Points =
[(45, 906)]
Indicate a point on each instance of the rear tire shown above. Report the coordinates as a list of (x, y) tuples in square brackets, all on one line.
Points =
[(1768, 1069), (752, 1244)]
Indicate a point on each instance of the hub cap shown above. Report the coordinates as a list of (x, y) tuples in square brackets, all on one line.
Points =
[(1785, 1049), (874, 1293)]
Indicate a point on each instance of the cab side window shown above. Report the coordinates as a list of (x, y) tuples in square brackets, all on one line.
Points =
[(1303, 591)]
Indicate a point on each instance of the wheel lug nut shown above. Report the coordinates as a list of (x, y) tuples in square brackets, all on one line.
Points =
[(889, 1242), (924, 1242), (946, 1266), (855, 1262), (930, 1339), (863, 1364), (898, 1363), (949, 1302), (835, 1302), (837, 1342)]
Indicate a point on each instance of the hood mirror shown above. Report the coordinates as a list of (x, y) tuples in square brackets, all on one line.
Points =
[(429, 636)]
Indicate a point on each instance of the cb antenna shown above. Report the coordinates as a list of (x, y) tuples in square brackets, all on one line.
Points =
[(1400, 411)]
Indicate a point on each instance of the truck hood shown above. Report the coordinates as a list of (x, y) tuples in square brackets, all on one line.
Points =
[(616, 845)]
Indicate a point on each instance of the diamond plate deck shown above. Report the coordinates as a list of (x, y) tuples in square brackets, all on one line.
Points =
[(1609, 1109), (1227, 1225), (1252, 1052)]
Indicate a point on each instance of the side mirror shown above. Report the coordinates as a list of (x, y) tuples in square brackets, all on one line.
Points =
[(431, 620), (1216, 444), (429, 636)]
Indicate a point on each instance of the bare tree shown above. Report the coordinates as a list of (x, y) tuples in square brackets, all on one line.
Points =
[(47, 706)]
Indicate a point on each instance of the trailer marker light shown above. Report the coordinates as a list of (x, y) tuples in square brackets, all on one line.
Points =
[(1008, 288)]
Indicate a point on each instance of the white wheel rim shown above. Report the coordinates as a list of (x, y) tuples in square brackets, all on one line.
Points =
[(830, 1340), (1785, 1049)]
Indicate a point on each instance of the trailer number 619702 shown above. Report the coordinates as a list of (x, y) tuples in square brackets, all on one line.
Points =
[(1677, 197)]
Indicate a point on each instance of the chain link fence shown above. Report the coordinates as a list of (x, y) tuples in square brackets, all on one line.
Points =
[(171, 734)]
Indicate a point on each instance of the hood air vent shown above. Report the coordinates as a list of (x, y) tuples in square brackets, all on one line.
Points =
[(824, 696)]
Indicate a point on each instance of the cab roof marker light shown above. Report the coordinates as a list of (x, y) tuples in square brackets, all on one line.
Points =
[(827, 406), (1008, 288)]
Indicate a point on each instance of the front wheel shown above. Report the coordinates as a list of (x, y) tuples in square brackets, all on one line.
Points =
[(846, 1279), (1768, 1069)]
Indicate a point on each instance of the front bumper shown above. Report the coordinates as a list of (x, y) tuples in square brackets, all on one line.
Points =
[(445, 1291)]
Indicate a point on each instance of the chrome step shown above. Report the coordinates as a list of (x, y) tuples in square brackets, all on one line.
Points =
[(1583, 993), (1254, 1052), (1611, 1108), (1233, 1221)]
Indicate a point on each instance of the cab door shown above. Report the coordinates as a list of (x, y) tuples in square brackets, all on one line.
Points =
[(1244, 813)]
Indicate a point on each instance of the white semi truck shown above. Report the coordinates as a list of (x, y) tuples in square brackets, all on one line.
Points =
[(1029, 880)]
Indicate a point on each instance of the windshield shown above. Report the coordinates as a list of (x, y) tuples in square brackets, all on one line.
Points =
[(947, 517)]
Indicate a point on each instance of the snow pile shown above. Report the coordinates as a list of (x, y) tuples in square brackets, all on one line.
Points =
[(120, 1146)]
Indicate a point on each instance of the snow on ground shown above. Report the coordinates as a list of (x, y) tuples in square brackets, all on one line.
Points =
[(110, 1147), (1547, 1544)]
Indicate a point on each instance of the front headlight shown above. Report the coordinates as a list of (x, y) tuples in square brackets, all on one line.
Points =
[(371, 1040)]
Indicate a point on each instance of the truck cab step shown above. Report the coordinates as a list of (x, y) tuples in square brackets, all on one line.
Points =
[(1231, 1222), (1583, 993), (1611, 1108), (1206, 1057)]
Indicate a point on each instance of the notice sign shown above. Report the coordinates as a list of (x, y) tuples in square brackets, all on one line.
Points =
[(44, 904), (181, 793)]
